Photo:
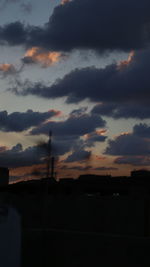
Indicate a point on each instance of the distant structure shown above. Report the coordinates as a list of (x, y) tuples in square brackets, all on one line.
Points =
[(140, 173), (4, 176)]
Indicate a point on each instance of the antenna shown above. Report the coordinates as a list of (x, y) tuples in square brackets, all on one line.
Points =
[(49, 154)]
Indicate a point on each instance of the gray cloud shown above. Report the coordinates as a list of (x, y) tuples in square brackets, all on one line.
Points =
[(17, 157), (77, 167), (133, 160), (74, 125), (79, 155), (133, 148), (26, 7), (14, 33), (123, 90), (128, 144), (142, 130), (100, 25), (123, 110), (20, 121)]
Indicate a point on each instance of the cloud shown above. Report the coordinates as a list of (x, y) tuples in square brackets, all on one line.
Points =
[(7, 69), (26, 8), (17, 157), (100, 25), (38, 55), (127, 62), (142, 130), (104, 25), (80, 155), (77, 167), (14, 33), (74, 135), (128, 144), (73, 126), (124, 89), (132, 148), (5, 3), (133, 160), (97, 136), (20, 121), (123, 110), (63, 2)]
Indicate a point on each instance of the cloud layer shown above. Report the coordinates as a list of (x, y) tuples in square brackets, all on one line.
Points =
[(132, 148), (17, 157), (100, 25), (20, 121), (123, 92)]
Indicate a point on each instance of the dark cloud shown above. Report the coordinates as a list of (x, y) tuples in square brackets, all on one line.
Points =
[(17, 157), (77, 167), (128, 144), (93, 137), (126, 111), (79, 155), (74, 135), (142, 130), (20, 121), (123, 90), (62, 145), (74, 125), (131, 144), (14, 33), (78, 112), (133, 160), (99, 25)]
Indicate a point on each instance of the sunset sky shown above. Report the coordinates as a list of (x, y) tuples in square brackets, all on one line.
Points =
[(80, 68)]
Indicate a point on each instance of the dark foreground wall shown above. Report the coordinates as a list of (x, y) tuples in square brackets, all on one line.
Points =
[(114, 215), (77, 249), (85, 230)]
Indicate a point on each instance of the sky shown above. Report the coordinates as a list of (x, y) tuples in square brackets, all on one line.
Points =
[(78, 68)]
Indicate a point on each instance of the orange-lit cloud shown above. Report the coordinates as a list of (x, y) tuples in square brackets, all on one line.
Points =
[(120, 134), (63, 2), (125, 63), (27, 173), (38, 55), (97, 132), (57, 113), (7, 68), (101, 132)]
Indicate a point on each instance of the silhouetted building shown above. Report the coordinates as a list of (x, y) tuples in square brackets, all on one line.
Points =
[(140, 173), (4, 176)]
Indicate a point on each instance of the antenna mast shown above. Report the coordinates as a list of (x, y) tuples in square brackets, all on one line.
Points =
[(49, 154)]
